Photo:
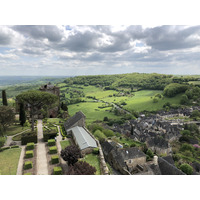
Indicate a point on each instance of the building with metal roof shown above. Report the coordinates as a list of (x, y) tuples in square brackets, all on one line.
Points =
[(83, 139)]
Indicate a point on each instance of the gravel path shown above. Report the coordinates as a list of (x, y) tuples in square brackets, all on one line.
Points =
[(42, 166), (21, 161)]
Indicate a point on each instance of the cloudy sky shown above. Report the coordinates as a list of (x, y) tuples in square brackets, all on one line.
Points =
[(86, 50)]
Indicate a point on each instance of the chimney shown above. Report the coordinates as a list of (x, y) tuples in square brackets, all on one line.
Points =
[(155, 160)]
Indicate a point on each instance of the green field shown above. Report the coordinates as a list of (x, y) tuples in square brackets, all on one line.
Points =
[(93, 160), (91, 111), (54, 120), (9, 161), (194, 82)]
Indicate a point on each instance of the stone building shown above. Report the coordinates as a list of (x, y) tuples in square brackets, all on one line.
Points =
[(53, 112), (124, 160)]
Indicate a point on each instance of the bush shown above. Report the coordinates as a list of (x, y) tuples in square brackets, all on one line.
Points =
[(51, 142), (4, 148), (49, 134), (155, 100), (2, 140), (15, 146), (150, 153), (57, 171), (95, 151), (54, 159), (28, 165), (187, 169), (99, 135), (108, 133), (29, 137), (53, 150), (29, 154), (30, 146)]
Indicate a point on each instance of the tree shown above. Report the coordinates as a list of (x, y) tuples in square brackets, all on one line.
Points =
[(6, 116), (71, 154), (81, 168), (4, 98), (64, 106), (184, 100), (186, 168), (36, 100), (22, 114)]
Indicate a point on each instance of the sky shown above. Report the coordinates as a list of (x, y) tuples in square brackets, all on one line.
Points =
[(70, 50)]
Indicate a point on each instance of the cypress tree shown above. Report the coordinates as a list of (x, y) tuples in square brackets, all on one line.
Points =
[(22, 114), (4, 98)]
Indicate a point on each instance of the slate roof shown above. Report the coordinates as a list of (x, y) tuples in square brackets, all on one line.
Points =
[(131, 153), (168, 169), (159, 142), (169, 159), (107, 147), (71, 121), (83, 138)]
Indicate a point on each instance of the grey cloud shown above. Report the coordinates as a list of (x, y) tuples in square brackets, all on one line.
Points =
[(5, 37), (81, 42), (52, 33)]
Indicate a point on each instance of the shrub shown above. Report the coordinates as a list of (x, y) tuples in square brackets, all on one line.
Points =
[(133, 145), (155, 100), (53, 150), (95, 151), (108, 133), (51, 142), (4, 148), (49, 134), (150, 153), (57, 171), (54, 159), (30, 146), (28, 165), (99, 135), (187, 169), (2, 140), (15, 146), (29, 137), (29, 154)]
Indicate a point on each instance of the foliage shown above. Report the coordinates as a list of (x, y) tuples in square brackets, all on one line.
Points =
[(2, 141), (187, 147), (30, 146), (53, 150), (36, 100), (49, 134), (173, 89), (99, 135), (28, 165), (51, 142), (95, 151), (29, 154), (22, 114), (4, 98), (155, 100), (57, 171), (150, 153), (29, 137), (54, 159), (6, 117), (71, 154), (81, 168), (184, 100), (195, 114), (108, 133), (186, 168)]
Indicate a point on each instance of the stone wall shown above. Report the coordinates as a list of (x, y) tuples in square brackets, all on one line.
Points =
[(135, 162)]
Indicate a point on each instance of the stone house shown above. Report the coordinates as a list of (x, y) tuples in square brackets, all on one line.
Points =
[(75, 126), (124, 160)]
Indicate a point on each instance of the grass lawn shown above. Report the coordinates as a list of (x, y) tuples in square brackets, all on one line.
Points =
[(143, 101), (127, 141), (93, 160), (65, 143), (14, 129), (91, 110), (54, 120), (9, 161)]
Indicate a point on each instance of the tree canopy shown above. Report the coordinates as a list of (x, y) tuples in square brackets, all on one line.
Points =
[(36, 100), (6, 116), (71, 154)]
